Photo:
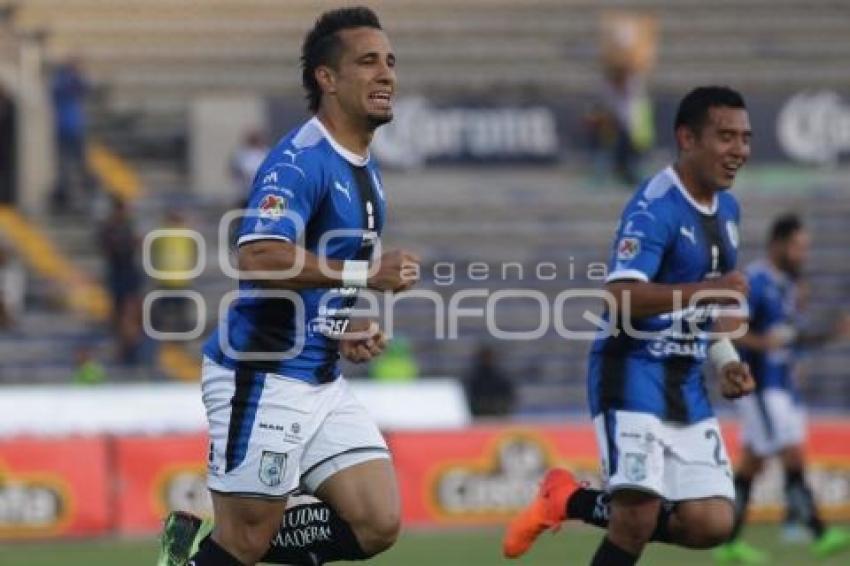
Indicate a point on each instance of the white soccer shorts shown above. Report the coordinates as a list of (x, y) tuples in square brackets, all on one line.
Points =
[(271, 435), (675, 461), (770, 421)]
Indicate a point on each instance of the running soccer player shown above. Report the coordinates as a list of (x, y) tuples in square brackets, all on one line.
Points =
[(666, 473), (281, 416), (773, 421)]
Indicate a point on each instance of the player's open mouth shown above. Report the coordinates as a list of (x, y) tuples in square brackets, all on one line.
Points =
[(381, 98), (731, 170)]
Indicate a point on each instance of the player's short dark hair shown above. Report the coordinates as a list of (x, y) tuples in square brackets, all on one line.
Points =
[(784, 227), (322, 46), (694, 107)]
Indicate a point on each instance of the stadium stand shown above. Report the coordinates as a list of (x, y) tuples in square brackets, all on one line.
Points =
[(149, 57)]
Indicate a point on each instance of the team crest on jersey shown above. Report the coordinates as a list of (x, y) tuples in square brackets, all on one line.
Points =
[(272, 465), (272, 206), (635, 466), (628, 248), (732, 232)]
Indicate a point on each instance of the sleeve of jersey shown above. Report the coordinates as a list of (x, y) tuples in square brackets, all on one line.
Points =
[(283, 200), (639, 246)]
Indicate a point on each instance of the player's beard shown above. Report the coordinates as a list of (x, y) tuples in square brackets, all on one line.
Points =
[(374, 121)]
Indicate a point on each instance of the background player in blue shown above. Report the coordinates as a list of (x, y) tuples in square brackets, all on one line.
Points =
[(666, 473), (772, 419), (281, 417)]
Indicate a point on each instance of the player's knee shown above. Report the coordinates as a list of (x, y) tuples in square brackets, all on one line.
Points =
[(248, 541), (379, 532), (633, 519)]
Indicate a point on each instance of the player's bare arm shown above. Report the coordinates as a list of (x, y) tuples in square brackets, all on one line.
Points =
[(397, 270), (648, 298)]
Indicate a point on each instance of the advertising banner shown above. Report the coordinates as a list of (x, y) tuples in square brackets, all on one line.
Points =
[(157, 475), (478, 475), (802, 127), (54, 487), (483, 475)]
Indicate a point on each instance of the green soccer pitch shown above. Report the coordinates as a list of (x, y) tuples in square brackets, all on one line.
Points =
[(571, 546)]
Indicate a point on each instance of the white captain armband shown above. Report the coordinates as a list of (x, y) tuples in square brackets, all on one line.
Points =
[(722, 352), (355, 273)]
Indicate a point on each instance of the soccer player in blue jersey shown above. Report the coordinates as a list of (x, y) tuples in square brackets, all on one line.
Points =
[(773, 422), (281, 417), (666, 473)]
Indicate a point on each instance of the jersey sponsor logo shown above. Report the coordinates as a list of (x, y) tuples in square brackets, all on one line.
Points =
[(270, 179), (271, 207), (665, 348), (272, 465), (628, 248), (635, 466), (689, 233), (344, 189)]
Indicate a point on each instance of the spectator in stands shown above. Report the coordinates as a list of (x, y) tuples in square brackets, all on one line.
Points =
[(397, 364), (8, 169), (88, 371), (119, 244), (623, 123), (12, 287), (246, 159), (488, 390), (175, 255), (69, 89)]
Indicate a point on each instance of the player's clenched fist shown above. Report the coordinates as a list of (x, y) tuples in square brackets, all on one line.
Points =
[(733, 282), (736, 380), (398, 270)]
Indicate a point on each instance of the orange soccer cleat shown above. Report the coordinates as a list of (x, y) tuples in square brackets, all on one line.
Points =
[(547, 511)]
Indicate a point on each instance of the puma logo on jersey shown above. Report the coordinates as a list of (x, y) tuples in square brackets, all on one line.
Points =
[(292, 154), (344, 189), (689, 234)]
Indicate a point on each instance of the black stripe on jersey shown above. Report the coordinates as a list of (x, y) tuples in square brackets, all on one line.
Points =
[(613, 371), (369, 208), (711, 229), (676, 369), (273, 332), (368, 199)]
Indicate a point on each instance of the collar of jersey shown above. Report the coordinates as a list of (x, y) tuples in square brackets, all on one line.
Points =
[(350, 156), (700, 207)]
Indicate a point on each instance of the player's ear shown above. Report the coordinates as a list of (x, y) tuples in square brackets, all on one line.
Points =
[(326, 79), (685, 138)]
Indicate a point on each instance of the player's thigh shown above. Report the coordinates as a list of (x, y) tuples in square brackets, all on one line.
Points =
[(347, 464), (366, 492), (706, 522), (634, 515)]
